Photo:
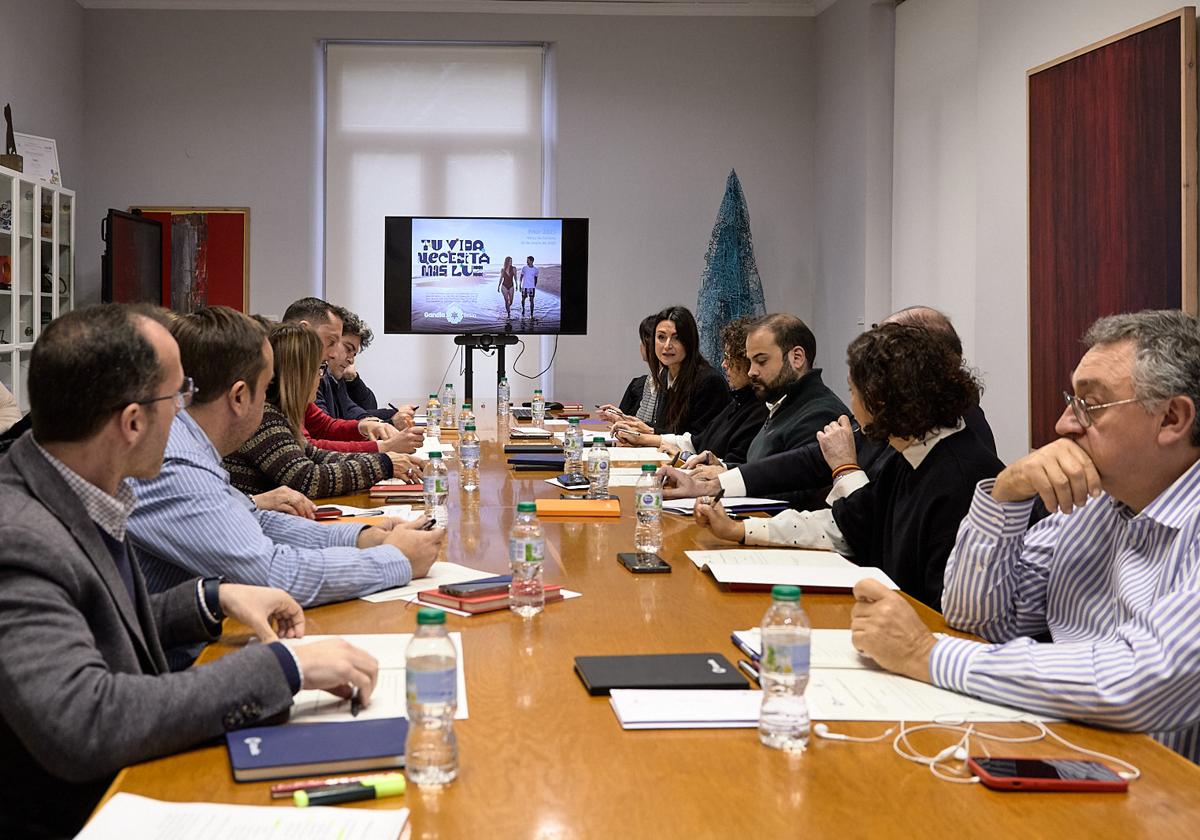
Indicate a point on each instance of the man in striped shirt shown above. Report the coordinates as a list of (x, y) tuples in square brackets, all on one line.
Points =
[(1111, 575)]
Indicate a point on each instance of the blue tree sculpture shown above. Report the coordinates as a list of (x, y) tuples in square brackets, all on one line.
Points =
[(730, 287)]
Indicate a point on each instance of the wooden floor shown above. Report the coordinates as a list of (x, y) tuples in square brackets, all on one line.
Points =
[(539, 758)]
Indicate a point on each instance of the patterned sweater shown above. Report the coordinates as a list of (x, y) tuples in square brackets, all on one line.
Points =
[(272, 458)]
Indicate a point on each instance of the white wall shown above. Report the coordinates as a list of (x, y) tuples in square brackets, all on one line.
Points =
[(222, 109), (959, 208), (41, 75), (853, 178)]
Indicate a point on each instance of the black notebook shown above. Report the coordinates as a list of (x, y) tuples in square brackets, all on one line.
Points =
[(601, 674)]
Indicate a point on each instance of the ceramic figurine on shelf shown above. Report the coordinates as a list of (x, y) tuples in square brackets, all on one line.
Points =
[(10, 158)]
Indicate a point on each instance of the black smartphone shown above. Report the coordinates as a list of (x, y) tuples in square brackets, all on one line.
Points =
[(487, 586), (641, 564), (574, 481)]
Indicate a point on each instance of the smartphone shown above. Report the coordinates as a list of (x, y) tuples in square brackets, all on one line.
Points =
[(1046, 774), (677, 460), (574, 481), (328, 512), (641, 564), (487, 586)]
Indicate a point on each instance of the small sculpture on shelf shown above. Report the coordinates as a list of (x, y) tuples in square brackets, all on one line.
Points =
[(10, 158)]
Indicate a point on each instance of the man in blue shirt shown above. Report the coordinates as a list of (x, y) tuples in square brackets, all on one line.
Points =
[(190, 520), (1111, 574)]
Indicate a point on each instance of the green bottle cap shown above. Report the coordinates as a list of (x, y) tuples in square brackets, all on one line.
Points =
[(470, 427), (433, 396), (572, 421), (435, 454), (428, 615), (466, 406), (785, 593), (526, 507), (598, 440), (649, 468)]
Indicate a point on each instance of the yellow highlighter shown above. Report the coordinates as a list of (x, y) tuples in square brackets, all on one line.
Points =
[(378, 787)]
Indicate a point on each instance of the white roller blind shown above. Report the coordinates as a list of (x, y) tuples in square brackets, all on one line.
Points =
[(425, 130)]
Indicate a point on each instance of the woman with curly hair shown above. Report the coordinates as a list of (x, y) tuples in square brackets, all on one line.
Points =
[(907, 387), (278, 453)]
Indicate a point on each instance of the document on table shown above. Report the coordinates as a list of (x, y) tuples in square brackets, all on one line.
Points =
[(398, 511), (645, 454), (130, 817), (427, 446), (638, 708), (766, 557), (812, 577), (730, 502), (862, 694), (388, 700), (440, 573), (829, 649)]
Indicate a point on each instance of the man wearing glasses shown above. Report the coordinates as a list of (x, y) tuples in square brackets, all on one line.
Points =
[(1111, 575), (84, 684)]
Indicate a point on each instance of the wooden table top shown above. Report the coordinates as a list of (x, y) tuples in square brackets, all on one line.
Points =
[(540, 758)]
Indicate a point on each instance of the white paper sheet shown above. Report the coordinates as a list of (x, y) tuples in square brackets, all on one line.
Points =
[(130, 817), (830, 649), (427, 446), (817, 577), (730, 502), (767, 557), (860, 694), (439, 573), (398, 511), (645, 454), (526, 432), (388, 701), (685, 709), (552, 423)]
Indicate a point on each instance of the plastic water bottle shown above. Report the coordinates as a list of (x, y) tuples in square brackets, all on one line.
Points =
[(502, 397), (464, 417), (431, 689), (526, 547), (783, 671), (597, 469), (648, 533), (433, 418), (573, 447), (449, 407), (539, 408), (468, 453), (436, 485)]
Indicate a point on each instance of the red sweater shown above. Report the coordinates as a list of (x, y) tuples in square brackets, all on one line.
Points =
[(324, 432)]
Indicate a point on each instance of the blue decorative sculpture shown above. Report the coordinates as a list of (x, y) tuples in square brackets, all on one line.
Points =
[(730, 287)]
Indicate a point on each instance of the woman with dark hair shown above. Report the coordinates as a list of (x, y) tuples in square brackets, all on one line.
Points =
[(278, 453), (910, 391), (690, 391), (506, 284), (728, 435)]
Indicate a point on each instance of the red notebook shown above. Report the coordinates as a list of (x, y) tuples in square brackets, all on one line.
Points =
[(479, 603), (396, 487)]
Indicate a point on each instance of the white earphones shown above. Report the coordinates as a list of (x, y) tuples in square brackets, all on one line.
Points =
[(822, 731)]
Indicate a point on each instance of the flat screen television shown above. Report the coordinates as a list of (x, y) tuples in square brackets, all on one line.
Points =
[(131, 268), (443, 275)]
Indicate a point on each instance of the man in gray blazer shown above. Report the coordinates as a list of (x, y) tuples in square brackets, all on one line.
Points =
[(84, 687)]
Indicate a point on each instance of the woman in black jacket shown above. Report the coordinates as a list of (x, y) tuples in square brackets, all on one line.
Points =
[(690, 391)]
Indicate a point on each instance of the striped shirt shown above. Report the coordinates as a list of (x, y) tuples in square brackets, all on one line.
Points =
[(110, 513), (1119, 594), (191, 521)]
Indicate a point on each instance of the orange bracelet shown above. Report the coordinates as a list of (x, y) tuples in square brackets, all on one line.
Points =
[(843, 469)]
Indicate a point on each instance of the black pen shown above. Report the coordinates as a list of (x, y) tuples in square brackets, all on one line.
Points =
[(717, 497), (429, 523), (749, 670), (355, 703)]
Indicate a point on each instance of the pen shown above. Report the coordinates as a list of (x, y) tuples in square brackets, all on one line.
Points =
[(284, 790), (744, 648), (355, 703), (749, 670), (376, 788), (428, 526)]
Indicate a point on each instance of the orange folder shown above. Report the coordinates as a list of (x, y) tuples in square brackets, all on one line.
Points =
[(579, 507)]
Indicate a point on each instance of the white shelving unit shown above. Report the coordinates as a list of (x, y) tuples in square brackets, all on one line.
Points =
[(37, 269)]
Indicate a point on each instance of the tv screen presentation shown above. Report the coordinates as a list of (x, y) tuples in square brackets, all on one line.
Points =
[(446, 275)]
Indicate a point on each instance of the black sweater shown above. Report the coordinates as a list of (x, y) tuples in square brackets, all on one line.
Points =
[(808, 407), (906, 520), (709, 396), (729, 434)]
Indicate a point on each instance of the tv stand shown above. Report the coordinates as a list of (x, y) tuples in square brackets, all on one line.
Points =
[(482, 342)]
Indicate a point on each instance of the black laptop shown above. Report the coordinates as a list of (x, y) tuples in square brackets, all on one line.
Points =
[(601, 674)]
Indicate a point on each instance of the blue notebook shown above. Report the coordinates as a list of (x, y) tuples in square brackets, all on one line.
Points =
[(316, 749)]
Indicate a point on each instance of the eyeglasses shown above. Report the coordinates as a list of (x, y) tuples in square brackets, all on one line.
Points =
[(1083, 411), (182, 397)]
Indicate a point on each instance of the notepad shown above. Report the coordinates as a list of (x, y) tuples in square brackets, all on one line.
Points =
[(732, 504), (283, 752), (439, 573), (701, 709), (601, 674), (641, 454), (829, 649), (748, 568), (579, 507)]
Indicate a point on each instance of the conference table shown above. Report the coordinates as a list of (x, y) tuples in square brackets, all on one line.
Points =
[(540, 758)]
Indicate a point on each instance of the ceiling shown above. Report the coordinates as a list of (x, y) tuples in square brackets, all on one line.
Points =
[(782, 8)]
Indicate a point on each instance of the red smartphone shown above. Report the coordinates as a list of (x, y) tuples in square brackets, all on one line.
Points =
[(328, 512), (1046, 774)]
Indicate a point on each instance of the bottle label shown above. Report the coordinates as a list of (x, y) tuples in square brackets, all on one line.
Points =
[(525, 551), (431, 686), (435, 484), (648, 500), (786, 659), (599, 466)]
